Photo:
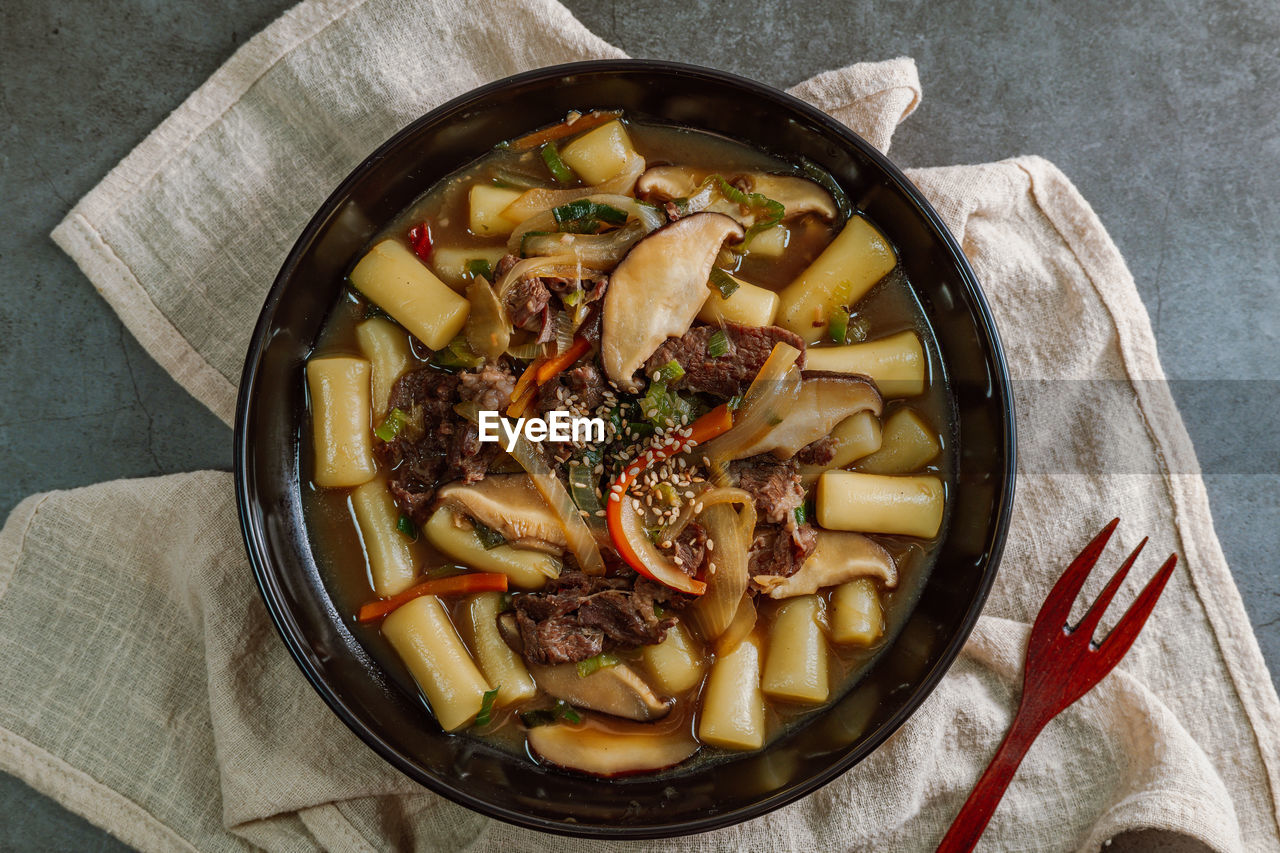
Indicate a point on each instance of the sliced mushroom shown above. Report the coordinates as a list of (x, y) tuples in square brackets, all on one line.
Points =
[(668, 182), (511, 505), (609, 689), (839, 556), (797, 195), (611, 753), (657, 290), (825, 400), (615, 690)]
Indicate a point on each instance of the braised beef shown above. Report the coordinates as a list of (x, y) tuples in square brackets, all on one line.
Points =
[(504, 265), (727, 375), (819, 452), (490, 387), (690, 548), (526, 303), (437, 444), (576, 616), (779, 551), (774, 483)]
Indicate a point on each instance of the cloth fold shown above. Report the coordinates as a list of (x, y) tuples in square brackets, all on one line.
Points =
[(145, 688)]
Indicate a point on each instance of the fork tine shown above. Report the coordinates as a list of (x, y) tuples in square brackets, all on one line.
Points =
[(1057, 607), (1090, 621), (1121, 637)]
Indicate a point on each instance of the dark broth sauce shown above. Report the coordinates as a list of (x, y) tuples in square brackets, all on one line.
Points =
[(891, 306)]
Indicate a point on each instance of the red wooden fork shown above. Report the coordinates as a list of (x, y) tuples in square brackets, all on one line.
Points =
[(1063, 664)]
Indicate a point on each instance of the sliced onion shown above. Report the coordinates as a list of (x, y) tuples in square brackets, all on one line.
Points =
[(658, 565), (727, 585), (598, 250), (527, 351), (649, 216), (774, 388), (535, 201), (487, 329), (581, 541), (709, 497), (744, 619), (559, 266)]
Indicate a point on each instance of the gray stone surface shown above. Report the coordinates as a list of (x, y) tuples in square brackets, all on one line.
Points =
[(1164, 114)]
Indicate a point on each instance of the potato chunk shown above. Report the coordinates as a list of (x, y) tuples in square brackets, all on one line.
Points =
[(851, 264), (398, 283)]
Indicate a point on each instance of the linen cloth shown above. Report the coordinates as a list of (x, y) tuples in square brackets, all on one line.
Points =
[(143, 686)]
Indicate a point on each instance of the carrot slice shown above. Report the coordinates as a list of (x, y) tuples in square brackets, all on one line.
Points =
[(705, 428), (595, 118), (554, 365), (521, 394), (456, 585)]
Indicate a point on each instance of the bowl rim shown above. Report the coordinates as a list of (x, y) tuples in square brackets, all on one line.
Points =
[(287, 627)]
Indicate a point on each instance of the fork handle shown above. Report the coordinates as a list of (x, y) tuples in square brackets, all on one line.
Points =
[(977, 810)]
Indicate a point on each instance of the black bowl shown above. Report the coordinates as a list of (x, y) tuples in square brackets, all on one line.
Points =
[(392, 721)]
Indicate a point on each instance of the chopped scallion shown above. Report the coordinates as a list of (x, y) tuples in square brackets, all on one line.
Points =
[(718, 344), (489, 537), (480, 267), (551, 156), (586, 209), (390, 428), (600, 661), (667, 494), (406, 526), (838, 325), (486, 706), (457, 355), (670, 372), (802, 514), (567, 712), (723, 282)]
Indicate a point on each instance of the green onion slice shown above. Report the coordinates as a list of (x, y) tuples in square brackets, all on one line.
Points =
[(718, 344), (480, 267), (457, 355), (600, 661), (551, 156), (723, 282), (585, 208), (486, 706), (390, 428), (838, 325), (406, 526), (489, 537), (670, 372)]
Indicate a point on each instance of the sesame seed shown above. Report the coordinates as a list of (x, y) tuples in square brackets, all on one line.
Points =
[(711, 544), (600, 513)]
